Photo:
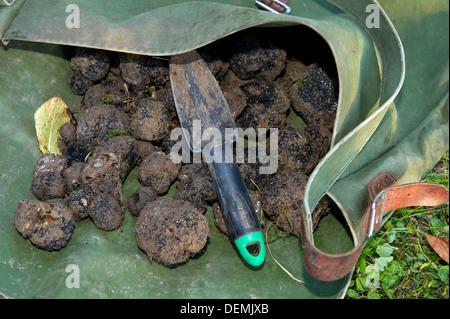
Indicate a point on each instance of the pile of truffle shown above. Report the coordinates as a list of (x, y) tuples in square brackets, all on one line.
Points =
[(125, 120)]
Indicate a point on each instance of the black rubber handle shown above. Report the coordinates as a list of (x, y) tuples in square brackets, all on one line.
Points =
[(238, 212), (237, 208)]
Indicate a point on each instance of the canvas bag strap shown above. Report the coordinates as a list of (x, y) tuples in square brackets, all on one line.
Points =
[(383, 198), (278, 6)]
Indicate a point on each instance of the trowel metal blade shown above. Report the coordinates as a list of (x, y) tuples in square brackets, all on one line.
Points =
[(198, 97)]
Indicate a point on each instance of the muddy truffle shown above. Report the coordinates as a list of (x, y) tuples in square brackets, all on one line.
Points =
[(79, 201), (297, 151), (294, 71), (267, 106), (165, 96), (61, 145), (141, 71), (196, 185), (124, 148), (50, 163), (97, 123), (215, 62), (171, 231), (257, 57), (75, 152), (101, 174), (68, 132), (144, 148), (106, 212), (72, 176), (80, 84), (47, 225), (151, 122), (251, 175), (158, 172), (167, 143), (315, 97), (282, 201), (141, 197), (93, 64), (110, 91), (48, 185), (322, 136)]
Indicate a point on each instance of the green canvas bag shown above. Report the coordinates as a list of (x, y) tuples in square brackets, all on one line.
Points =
[(392, 117)]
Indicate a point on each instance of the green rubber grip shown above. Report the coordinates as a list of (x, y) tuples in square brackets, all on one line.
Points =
[(242, 244)]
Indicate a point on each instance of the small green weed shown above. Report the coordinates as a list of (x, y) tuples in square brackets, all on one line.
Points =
[(108, 98), (130, 109), (114, 133), (398, 262)]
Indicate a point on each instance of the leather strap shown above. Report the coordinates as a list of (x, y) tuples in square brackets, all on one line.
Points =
[(275, 5), (383, 198)]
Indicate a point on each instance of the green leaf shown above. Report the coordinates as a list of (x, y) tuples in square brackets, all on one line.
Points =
[(360, 284), (351, 293), (385, 250), (393, 272), (436, 222), (373, 295), (395, 267), (382, 262), (421, 257), (391, 237), (373, 276), (390, 293), (443, 273), (389, 279), (362, 266), (47, 120), (400, 225)]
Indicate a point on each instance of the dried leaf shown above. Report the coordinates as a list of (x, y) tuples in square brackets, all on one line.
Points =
[(48, 119), (440, 245)]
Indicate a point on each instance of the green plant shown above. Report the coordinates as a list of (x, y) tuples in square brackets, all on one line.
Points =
[(108, 98), (119, 132), (399, 262), (130, 109)]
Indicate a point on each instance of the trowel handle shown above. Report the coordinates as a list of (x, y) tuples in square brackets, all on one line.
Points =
[(238, 212)]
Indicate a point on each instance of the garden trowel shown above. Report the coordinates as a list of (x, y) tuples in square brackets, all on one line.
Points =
[(203, 111)]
